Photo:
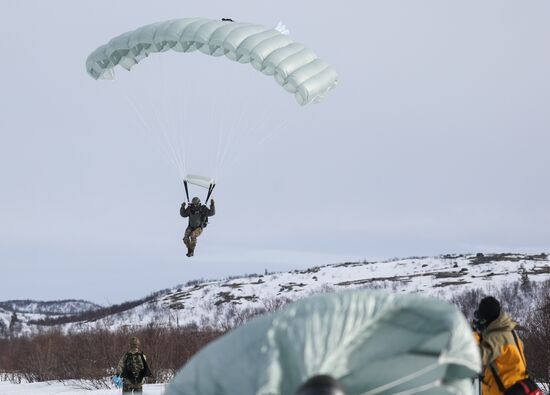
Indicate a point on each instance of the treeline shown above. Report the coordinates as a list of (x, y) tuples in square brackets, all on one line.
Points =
[(52, 307), (92, 315), (93, 355)]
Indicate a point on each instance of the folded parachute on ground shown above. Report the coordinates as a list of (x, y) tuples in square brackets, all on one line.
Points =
[(295, 67), (372, 342)]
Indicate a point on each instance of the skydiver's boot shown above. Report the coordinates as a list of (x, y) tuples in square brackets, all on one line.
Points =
[(186, 242), (189, 252)]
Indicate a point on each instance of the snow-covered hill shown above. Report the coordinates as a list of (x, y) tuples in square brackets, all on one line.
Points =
[(229, 301), (28, 310)]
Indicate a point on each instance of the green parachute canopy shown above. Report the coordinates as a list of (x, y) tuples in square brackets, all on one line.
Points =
[(296, 68), (372, 342)]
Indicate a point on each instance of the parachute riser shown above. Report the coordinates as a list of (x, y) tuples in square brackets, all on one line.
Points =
[(186, 190), (210, 190)]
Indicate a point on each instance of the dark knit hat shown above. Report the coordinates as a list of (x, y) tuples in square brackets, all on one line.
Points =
[(489, 309)]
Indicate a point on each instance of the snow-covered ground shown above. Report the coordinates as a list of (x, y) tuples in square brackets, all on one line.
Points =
[(55, 388), (216, 302)]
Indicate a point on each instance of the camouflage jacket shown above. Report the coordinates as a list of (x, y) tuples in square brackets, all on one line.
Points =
[(133, 366), (198, 216)]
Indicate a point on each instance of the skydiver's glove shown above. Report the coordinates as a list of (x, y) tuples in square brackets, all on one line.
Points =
[(211, 202), (183, 205)]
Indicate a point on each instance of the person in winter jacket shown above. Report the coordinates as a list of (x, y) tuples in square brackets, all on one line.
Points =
[(501, 350), (133, 368), (198, 219)]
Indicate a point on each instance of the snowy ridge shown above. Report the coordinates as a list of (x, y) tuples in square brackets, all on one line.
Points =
[(56, 307), (226, 302), (31, 310)]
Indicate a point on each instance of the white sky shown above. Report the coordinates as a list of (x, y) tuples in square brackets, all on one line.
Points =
[(435, 141)]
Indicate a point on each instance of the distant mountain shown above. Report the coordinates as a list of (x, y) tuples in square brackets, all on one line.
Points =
[(55, 307), (228, 302), (15, 315)]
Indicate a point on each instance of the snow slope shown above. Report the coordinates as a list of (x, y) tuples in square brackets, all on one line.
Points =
[(227, 302), (56, 388)]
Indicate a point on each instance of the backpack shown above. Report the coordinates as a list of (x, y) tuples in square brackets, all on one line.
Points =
[(132, 371)]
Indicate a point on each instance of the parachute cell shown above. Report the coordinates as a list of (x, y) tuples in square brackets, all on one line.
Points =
[(372, 342), (271, 51)]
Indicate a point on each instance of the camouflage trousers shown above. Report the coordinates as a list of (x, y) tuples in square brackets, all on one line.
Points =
[(131, 388), (190, 237)]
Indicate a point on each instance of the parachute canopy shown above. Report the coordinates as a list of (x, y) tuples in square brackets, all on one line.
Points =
[(372, 342), (269, 50)]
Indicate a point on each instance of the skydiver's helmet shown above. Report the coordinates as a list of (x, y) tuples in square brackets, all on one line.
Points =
[(134, 342), (196, 201), (321, 385), (487, 312)]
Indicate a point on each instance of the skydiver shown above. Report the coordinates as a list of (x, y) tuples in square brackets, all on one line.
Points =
[(227, 20), (198, 219)]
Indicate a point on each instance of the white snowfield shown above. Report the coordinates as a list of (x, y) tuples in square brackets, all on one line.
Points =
[(217, 303), (56, 388)]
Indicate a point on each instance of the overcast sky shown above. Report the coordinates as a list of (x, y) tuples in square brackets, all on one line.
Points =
[(435, 141)]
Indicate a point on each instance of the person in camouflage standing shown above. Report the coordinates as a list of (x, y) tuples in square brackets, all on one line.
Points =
[(198, 219), (133, 368)]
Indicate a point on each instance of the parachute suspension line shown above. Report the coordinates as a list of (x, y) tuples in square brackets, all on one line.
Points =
[(214, 159), (275, 132), (155, 130), (231, 133), (221, 144), (418, 390), (161, 120), (238, 123), (216, 166), (168, 120), (224, 134), (226, 128), (401, 380), (264, 119), (237, 158), (243, 129), (147, 126), (183, 120), (177, 125)]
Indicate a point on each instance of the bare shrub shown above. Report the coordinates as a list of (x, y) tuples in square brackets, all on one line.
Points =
[(92, 356), (468, 301), (275, 304), (536, 337)]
